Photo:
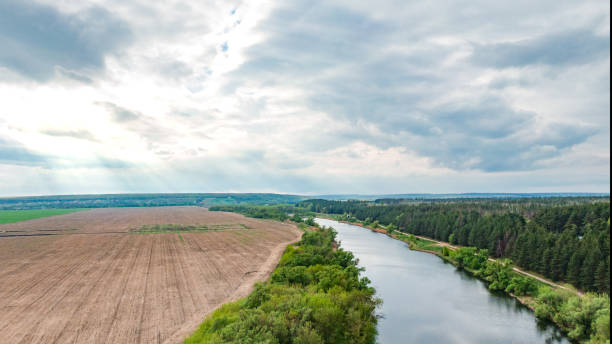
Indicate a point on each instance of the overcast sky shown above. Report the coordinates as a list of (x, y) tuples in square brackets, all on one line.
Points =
[(304, 97)]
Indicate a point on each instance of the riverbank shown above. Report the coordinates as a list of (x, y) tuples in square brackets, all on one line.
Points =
[(423, 244), (314, 279), (422, 294), (584, 319), (395, 234)]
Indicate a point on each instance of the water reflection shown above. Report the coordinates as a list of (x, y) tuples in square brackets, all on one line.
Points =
[(427, 300)]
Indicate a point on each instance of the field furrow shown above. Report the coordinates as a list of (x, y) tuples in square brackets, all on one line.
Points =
[(94, 281)]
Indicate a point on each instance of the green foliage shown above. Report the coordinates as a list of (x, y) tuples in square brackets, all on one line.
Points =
[(420, 244), (584, 318), (499, 274), (522, 285), (549, 302), (297, 218), (471, 258), (314, 296), (275, 212), (311, 222), (10, 216)]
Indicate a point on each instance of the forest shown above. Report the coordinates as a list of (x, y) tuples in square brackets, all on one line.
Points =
[(563, 239)]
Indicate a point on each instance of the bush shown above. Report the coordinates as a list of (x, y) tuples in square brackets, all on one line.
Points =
[(314, 296), (584, 318), (311, 222), (522, 286)]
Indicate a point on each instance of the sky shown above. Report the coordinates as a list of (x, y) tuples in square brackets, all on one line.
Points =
[(304, 97)]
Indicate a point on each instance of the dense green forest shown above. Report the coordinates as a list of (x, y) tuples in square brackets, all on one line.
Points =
[(314, 296), (562, 239)]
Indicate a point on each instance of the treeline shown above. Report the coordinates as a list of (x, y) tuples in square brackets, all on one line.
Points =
[(314, 296), (144, 200), (565, 243), (276, 212)]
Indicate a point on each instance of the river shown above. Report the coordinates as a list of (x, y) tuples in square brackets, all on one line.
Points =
[(426, 300)]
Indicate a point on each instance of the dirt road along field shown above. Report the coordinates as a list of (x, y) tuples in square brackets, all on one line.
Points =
[(88, 278)]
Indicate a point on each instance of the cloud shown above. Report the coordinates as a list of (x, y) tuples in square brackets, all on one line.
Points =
[(393, 88), (118, 113), (522, 151), (37, 39), (94, 162), (150, 129), (302, 96), (14, 153), (562, 48), (77, 134)]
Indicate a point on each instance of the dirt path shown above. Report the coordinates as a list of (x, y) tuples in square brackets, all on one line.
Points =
[(522, 272)]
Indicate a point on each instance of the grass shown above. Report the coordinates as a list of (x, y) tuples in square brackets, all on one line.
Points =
[(173, 228), (416, 243), (303, 227), (11, 216)]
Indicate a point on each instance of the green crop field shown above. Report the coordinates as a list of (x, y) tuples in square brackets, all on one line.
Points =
[(10, 216)]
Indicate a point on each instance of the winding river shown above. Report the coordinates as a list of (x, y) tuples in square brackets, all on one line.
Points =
[(426, 300)]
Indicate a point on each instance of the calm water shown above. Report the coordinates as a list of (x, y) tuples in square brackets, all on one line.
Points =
[(426, 300)]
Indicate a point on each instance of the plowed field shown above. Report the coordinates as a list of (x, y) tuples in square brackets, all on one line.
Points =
[(87, 277)]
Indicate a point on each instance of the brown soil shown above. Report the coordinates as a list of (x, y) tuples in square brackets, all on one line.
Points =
[(83, 277)]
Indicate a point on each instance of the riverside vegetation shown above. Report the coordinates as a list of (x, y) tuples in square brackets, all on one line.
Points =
[(584, 318), (581, 228), (315, 295)]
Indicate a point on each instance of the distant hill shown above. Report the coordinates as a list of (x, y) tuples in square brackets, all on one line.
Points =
[(424, 196), (145, 200), (210, 199)]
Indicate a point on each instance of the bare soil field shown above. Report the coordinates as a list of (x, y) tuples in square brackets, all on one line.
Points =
[(87, 278)]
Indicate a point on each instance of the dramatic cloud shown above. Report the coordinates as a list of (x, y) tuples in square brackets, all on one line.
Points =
[(14, 153), (38, 39), (571, 47), (306, 97)]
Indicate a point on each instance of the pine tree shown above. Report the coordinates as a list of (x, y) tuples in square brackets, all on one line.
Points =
[(529, 252), (555, 271), (600, 278), (544, 265), (587, 275), (573, 269)]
